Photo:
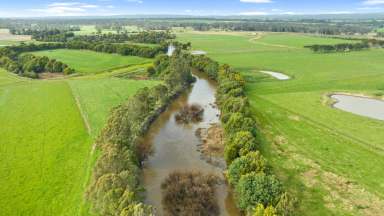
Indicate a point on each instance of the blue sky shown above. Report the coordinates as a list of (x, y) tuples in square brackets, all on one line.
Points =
[(27, 8)]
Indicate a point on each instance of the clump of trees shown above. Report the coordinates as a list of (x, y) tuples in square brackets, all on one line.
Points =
[(189, 193), (192, 113), (31, 66), (115, 188), (347, 47), (257, 190)]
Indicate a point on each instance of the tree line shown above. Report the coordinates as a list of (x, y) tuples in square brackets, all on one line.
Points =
[(31, 66), (65, 35), (320, 25), (347, 47), (115, 188), (257, 190), (13, 60)]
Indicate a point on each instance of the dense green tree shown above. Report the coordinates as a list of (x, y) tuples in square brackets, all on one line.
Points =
[(252, 162), (255, 188)]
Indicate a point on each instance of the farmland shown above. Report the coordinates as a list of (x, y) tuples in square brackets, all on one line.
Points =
[(48, 130), (310, 140), (7, 39), (85, 61)]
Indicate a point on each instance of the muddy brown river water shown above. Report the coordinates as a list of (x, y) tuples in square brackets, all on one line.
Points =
[(175, 146)]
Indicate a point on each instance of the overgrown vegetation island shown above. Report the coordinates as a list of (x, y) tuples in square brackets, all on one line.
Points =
[(78, 96)]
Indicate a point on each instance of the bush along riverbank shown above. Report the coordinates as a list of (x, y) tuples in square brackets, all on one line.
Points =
[(115, 188), (257, 190)]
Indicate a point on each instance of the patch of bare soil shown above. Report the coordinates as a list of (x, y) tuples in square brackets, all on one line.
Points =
[(48, 75), (212, 147)]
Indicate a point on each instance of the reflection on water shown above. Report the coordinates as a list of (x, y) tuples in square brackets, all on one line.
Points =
[(175, 146), (360, 105)]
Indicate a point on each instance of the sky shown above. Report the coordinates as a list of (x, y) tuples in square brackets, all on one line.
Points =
[(44, 8)]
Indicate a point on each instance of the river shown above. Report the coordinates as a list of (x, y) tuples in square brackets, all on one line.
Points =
[(175, 146)]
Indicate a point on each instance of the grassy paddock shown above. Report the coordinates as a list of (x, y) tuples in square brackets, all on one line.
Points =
[(46, 152), (84, 61), (316, 149), (97, 96), (44, 149)]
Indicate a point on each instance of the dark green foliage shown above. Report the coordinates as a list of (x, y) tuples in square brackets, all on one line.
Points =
[(252, 162), (347, 47), (30, 65), (238, 122), (255, 188), (189, 193), (207, 65), (238, 145), (151, 71)]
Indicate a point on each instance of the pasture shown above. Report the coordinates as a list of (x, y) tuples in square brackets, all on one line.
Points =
[(86, 62), (98, 96), (318, 150), (44, 150), (48, 129)]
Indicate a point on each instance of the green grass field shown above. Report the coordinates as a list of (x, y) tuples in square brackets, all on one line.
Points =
[(84, 61), (46, 149), (332, 160), (98, 95)]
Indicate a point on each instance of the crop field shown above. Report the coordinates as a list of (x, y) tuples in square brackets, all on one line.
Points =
[(48, 128), (84, 61), (332, 160)]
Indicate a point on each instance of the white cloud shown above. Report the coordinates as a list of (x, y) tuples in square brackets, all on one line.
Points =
[(136, 1), (373, 2), (256, 1), (254, 13), (66, 9)]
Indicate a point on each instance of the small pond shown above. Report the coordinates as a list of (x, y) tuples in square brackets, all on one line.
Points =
[(364, 106)]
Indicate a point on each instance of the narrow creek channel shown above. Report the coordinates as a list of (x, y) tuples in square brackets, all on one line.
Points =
[(175, 146)]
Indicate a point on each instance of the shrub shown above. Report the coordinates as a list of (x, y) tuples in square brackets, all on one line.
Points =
[(238, 122), (151, 71), (239, 144), (260, 210), (137, 210), (286, 205), (68, 71), (255, 188), (252, 162), (189, 193)]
